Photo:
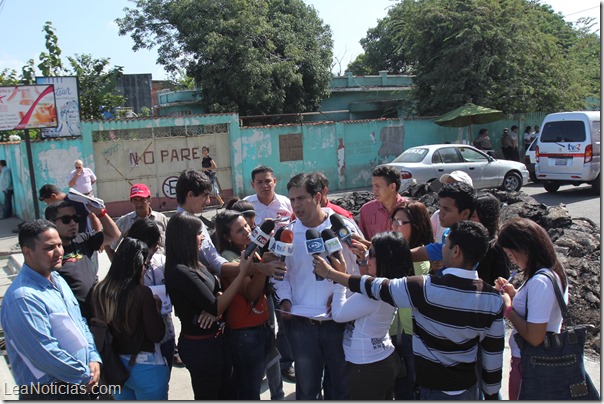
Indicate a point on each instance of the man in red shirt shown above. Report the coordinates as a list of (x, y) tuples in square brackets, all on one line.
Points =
[(374, 215)]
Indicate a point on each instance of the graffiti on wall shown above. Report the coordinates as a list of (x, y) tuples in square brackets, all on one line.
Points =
[(149, 157)]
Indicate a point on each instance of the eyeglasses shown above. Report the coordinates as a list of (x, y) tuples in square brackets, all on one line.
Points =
[(67, 219), (399, 222)]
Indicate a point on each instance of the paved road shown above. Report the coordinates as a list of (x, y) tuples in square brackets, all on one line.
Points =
[(580, 201)]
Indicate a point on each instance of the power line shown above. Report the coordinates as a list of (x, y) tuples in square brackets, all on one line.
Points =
[(577, 12)]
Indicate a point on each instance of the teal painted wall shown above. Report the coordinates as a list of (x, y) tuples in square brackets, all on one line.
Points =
[(366, 144)]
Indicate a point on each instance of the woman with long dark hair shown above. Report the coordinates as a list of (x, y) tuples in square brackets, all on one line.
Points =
[(247, 318), (148, 232), (495, 263), (412, 220), (133, 316), (528, 246), (372, 362), (193, 289)]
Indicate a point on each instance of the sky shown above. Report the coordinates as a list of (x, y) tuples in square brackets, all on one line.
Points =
[(88, 27)]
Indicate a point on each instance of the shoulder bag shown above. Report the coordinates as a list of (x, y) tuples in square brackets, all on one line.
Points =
[(554, 370), (113, 371)]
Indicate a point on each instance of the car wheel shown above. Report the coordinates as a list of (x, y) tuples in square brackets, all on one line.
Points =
[(512, 182), (551, 186), (595, 185)]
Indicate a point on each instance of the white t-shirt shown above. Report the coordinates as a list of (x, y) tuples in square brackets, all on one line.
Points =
[(308, 296), (279, 207), (84, 182), (542, 302), (367, 337), (437, 229)]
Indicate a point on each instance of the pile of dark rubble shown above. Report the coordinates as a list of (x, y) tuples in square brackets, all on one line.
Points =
[(577, 242)]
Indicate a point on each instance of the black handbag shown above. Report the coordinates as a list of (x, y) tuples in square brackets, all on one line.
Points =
[(554, 370), (113, 371)]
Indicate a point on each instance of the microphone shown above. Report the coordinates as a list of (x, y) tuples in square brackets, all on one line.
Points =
[(283, 245), (339, 227), (270, 246), (259, 237), (314, 246), (332, 243)]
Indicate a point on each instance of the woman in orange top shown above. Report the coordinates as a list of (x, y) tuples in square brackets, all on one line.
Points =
[(250, 336)]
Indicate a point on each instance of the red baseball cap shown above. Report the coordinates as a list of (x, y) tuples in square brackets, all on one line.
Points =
[(140, 190)]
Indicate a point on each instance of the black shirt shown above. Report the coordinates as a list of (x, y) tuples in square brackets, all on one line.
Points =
[(77, 269), (191, 292)]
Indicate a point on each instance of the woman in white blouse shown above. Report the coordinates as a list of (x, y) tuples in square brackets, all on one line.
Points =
[(373, 365)]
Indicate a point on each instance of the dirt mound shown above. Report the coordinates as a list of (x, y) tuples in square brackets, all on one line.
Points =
[(577, 242)]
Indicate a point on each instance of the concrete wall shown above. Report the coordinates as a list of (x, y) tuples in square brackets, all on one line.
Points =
[(345, 151), (155, 151)]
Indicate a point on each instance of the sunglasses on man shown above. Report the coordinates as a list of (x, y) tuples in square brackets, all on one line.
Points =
[(67, 219)]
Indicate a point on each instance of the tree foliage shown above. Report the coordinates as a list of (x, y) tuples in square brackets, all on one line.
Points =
[(97, 80), (250, 56), (97, 85), (513, 55)]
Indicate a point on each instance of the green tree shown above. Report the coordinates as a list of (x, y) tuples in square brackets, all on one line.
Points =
[(97, 85), (250, 56), (464, 51)]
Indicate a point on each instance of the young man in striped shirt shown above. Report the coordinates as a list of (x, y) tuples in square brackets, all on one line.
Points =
[(454, 314)]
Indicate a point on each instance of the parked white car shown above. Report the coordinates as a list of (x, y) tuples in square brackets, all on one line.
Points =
[(530, 159), (425, 164)]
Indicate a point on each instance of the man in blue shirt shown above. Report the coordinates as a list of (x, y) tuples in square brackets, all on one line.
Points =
[(49, 345), (456, 203)]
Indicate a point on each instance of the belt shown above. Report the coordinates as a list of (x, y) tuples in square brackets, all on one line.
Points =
[(264, 325), (199, 337), (312, 321)]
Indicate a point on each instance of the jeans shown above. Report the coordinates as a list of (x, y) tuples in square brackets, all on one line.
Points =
[(8, 203), (210, 365), (429, 394), (404, 387), (314, 347), (249, 347), (273, 369), (146, 382), (373, 381), (283, 343)]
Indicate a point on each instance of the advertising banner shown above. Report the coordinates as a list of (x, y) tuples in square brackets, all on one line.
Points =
[(27, 107), (68, 106)]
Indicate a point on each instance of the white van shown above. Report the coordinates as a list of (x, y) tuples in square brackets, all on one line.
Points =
[(568, 150)]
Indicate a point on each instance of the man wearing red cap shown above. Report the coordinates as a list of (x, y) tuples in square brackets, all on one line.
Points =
[(140, 197)]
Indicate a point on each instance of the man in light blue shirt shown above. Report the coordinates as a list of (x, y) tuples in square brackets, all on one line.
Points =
[(49, 344)]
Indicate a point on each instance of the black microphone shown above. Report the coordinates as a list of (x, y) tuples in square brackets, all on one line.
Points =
[(259, 237), (271, 243), (314, 246), (339, 227)]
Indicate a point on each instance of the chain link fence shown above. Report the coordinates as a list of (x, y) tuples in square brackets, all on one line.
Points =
[(156, 133)]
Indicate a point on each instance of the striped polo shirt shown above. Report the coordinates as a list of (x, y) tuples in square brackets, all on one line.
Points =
[(453, 314)]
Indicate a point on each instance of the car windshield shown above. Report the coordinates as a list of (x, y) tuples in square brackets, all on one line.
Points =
[(413, 155)]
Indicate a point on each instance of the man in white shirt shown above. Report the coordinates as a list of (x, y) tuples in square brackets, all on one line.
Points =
[(270, 205), (315, 338), (82, 178), (267, 203)]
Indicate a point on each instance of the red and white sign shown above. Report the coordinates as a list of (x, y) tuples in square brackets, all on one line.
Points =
[(27, 107)]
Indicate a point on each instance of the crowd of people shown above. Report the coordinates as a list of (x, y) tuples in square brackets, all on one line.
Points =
[(395, 305)]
